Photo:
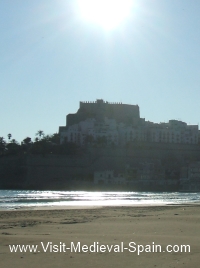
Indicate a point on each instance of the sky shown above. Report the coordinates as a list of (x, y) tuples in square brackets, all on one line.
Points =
[(54, 54)]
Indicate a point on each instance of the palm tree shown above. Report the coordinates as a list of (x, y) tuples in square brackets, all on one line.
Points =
[(9, 136), (40, 133)]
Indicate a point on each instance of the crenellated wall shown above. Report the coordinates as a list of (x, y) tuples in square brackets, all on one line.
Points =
[(120, 112), (62, 172)]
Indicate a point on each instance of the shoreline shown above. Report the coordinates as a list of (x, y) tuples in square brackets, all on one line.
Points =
[(83, 207)]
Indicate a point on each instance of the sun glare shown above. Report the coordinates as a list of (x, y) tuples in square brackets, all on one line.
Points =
[(106, 13)]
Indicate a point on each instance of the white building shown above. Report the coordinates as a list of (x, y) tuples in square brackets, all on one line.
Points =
[(174, 132), (131, 134), (78, 132), (111, 132), (89, 131)]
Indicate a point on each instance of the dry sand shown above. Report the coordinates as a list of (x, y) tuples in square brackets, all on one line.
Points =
[(163, 225)]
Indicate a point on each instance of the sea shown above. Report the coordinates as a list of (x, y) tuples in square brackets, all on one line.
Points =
[(16, 199)]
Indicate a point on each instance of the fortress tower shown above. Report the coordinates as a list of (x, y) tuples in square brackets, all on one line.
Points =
[(128, 114)]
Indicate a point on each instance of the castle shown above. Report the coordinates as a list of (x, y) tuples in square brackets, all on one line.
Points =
[(128, 114), (120, 124)]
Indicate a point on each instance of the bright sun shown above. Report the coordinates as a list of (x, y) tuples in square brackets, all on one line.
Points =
[(105, 13)]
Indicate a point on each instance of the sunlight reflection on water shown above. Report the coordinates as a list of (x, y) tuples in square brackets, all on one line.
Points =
[(10, 199)]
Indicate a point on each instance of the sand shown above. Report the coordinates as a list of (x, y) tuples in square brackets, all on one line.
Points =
[(108, 227)]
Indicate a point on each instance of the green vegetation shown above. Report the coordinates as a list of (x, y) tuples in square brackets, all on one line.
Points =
[(42, 144)]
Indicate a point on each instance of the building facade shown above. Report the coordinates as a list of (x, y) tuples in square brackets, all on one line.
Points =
[(120, 124)]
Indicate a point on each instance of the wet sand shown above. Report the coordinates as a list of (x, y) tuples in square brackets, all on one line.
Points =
[(112, 228)]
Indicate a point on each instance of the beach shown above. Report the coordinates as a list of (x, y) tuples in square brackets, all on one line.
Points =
[(129, 236)]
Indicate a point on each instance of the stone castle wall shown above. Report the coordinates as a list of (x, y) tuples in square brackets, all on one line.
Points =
[(120, 112), (59, 171)]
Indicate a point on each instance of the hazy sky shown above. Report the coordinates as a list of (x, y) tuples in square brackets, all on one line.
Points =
[(52, 57)]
